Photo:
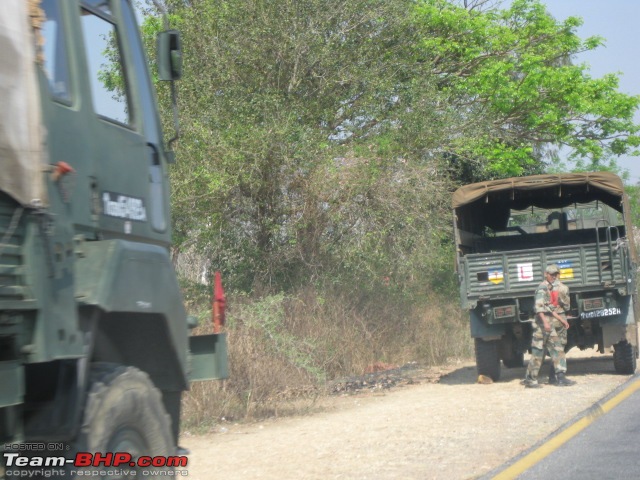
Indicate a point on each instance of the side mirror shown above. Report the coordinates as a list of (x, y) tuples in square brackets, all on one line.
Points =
[(169, 55)]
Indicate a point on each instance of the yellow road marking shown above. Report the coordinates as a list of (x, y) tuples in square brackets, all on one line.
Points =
[(564, 436)]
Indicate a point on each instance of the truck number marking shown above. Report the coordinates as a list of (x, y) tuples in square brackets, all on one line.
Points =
[(123, 206), (605, 312)]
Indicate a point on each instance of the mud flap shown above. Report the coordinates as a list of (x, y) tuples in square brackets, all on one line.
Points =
[(612, 334), (632, 334), (208, 358), (481, 329)]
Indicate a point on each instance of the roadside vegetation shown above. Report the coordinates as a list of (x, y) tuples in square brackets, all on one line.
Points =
[(320, 143), (285, 349)]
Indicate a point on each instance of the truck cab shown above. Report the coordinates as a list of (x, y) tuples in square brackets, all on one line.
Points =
[(90, 305)]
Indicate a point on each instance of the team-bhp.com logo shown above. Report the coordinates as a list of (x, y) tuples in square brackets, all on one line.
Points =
[(116, 464)]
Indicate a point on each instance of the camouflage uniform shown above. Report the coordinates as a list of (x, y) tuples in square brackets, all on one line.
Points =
[(547, 302)]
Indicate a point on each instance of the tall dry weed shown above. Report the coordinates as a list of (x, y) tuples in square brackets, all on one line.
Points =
[(283, 349)]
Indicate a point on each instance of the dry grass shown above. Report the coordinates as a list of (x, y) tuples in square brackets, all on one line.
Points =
[(284, 349)]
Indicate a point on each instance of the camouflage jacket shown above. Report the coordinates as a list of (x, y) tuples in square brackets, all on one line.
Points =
[(552, 297)]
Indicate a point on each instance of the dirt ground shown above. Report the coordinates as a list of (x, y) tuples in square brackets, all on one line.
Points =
[(443, 426)]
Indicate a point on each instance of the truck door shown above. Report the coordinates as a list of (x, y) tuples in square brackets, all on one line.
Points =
[(126, 145)]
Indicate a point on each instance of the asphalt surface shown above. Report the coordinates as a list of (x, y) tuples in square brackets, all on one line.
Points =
[(601, 444)]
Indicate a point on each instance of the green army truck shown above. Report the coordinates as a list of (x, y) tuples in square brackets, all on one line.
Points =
[(507, 232), (95, 351)]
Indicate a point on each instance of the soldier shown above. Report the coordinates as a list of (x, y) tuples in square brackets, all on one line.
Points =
[(545, 334)]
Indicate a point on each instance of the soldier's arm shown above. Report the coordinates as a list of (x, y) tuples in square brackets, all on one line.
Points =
[(541, 309), (560, 319), (545, 322)]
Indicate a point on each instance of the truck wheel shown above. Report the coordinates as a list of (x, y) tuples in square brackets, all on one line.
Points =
[(124, 413), (487, 358), (624, 358)]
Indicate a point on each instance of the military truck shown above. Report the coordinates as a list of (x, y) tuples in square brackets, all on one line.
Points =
[(507, 232), (95, 351)]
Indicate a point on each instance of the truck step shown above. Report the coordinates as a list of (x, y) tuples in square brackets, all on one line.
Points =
[(12, 292)]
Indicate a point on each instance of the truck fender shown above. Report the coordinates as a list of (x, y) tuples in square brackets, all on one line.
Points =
[(142, 321), (622, 327)]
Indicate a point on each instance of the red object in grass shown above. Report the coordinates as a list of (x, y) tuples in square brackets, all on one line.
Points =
[(219, 303)]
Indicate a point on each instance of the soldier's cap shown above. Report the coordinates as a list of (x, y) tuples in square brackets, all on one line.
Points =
[(552, 269)]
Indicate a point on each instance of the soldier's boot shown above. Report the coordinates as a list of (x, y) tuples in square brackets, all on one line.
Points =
[(553, 380), (529, 382), (563, 381)]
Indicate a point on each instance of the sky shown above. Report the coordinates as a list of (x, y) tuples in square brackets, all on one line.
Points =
[(617, 22)]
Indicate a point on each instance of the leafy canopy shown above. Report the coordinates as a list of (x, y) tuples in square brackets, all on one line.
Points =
[(321, 138), (514, 67)]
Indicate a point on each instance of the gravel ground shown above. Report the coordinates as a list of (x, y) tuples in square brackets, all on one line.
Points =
[(413, 424)]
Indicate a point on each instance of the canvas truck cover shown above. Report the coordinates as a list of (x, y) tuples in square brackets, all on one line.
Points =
[(608, 183), (488, 203), (22, 152)]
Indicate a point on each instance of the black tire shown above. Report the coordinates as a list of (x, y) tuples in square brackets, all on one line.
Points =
[(516, 360), (624, 358), (487, 358), (124, 413)]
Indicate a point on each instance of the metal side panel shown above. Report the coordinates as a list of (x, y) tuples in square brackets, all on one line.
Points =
[(208, 357), (485, 274), (12, 381), (521, 271)]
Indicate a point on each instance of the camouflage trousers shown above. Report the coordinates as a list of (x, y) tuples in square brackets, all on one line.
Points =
[(553, 342), (559, 327)]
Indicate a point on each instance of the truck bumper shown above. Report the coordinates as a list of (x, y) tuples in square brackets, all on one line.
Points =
[(208, 357)]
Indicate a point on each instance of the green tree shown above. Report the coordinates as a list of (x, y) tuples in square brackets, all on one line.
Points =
[(282, 101), (511, 70), (321, 138)]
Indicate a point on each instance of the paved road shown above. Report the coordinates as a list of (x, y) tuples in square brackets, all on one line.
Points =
[(600, 445)]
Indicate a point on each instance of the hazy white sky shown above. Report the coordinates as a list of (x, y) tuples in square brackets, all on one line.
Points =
[(618, 22)]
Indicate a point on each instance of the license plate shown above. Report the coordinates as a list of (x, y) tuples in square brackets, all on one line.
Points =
[(605, 312)]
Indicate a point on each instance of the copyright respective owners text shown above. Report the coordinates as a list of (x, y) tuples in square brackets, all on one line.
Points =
[(60, 460)]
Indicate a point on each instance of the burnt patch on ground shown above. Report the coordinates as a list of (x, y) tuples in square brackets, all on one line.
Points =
[(385, 379)]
